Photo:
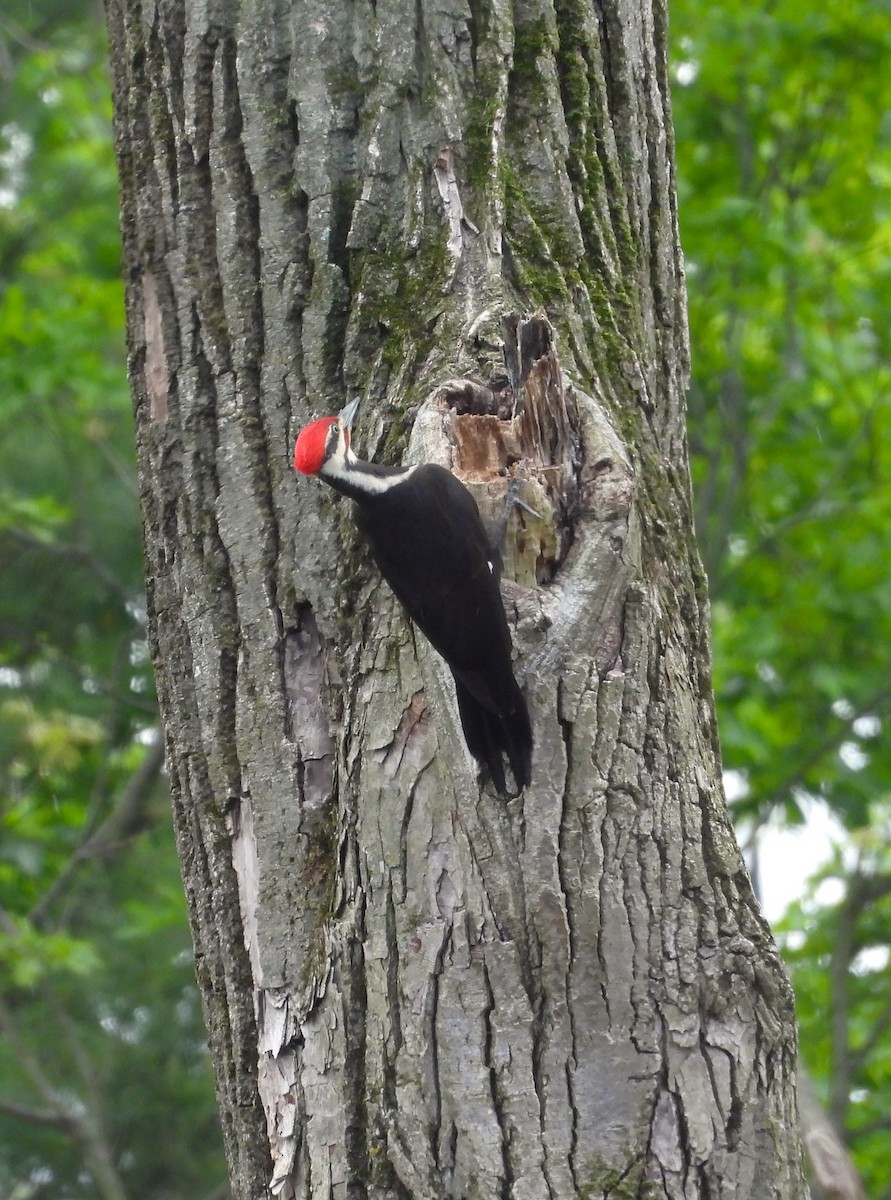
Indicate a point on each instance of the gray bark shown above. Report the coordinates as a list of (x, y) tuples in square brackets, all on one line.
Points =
[(413, 989)]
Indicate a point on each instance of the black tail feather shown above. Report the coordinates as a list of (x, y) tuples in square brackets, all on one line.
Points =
[(490, 736)]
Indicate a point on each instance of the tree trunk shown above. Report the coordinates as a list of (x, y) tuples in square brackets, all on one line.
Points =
[(414, 989)]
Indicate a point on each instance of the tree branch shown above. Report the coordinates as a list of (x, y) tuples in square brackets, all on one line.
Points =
[(862, 890), (82, 1122), (877, 1125), (90, 1126), (832, 742), (81, 554), (869, 1043), (36, 1116)]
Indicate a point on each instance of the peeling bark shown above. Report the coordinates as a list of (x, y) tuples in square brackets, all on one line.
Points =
[(413, 989)]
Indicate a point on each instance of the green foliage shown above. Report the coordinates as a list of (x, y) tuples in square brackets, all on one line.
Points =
[(99, 1014), (783, 180), (784, 165), (67, 503)]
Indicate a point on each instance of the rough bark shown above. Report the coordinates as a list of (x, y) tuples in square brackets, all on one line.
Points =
[(413, 989)]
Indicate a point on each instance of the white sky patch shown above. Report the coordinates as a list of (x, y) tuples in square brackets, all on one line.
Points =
[(685, 73), (129, 1031), (870, 959), (789, 856), (867, 726), (138, 652), (13, 157), (136, 610), (829, 892), (794, 939), (853, 756), (736, 786)]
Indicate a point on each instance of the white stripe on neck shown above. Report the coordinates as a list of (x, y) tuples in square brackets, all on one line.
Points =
[(347, 469)]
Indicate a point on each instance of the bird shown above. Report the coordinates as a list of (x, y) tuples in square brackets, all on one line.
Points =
[(427, 537)]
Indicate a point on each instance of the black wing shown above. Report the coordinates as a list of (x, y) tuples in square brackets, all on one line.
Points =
[(429, 542)]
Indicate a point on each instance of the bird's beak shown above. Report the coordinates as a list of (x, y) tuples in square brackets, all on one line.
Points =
[(346, 414)]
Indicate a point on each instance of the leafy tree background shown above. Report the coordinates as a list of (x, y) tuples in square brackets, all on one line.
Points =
[(101, 1038), (784, 174)]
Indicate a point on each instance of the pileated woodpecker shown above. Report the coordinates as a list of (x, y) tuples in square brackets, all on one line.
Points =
[(426, 535)]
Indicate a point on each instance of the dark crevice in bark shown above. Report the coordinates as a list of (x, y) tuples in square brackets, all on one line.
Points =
[(507, 1176), (538, 1009), (661, 279), (394, 1016), (588, 162), (619, 1189), (208, 548), (704, 1181), (663, 84), (146, 239), (403, 835), (604, 884), (168, 103), (172, 18), (208, 307), (566, 732), (422, 82), (609, 96), (246, 225), (355, 1008), (618, 73), (477, 25), (508, 904), (447, 1166), (432, 1076)]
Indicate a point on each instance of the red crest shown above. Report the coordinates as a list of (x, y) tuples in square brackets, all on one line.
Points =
[(309, 449)]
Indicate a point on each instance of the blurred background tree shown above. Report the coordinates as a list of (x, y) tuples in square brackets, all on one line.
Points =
[(782, 118)]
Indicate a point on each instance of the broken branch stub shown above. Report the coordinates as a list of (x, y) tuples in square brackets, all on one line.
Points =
[(575, 559), (526, 439)]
